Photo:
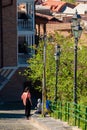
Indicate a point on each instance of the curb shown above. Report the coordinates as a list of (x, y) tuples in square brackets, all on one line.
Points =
[(49, 123)]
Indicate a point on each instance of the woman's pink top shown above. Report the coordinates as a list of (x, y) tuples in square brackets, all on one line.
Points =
[(24, 96)]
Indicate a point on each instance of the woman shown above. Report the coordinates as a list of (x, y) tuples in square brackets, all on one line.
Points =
[(26, 97)]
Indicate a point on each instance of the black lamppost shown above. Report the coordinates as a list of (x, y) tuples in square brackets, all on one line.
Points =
[(76, 31), (57, 56)]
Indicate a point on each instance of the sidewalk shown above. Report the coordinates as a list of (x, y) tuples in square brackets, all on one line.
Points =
[(49, 123), (15, 120)]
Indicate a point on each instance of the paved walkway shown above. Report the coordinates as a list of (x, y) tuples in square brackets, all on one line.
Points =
[(49, 123), (12, 118), (15, 120)]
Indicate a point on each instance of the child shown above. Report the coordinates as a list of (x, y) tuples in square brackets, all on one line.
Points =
[(39, 107)]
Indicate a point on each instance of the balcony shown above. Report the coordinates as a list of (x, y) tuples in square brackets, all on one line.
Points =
[(25, 25), (22, 59)]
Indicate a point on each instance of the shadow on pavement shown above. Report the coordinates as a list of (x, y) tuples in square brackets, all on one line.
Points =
[(11, 106), (11, 115)]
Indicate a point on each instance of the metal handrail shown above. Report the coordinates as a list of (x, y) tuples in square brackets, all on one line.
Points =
[(71, 112)]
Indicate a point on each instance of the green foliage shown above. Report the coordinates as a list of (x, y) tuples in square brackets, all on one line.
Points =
[(66, 69), (70, 1), (82, 74)]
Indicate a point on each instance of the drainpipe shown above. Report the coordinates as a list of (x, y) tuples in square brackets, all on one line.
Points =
[(1, 34)]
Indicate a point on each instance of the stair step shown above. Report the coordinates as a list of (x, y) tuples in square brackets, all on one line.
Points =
[(5, 75), (8, 72)]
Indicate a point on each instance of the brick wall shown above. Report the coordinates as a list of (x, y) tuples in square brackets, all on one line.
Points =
[(9, 33), (13, 89), (0, 31), (51, 27), (0, 39)]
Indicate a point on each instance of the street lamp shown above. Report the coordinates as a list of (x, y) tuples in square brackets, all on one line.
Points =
[(44, 75), (56, 55), (76, 31)]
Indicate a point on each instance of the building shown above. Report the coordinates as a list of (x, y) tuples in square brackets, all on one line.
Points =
[(81, 1), (25, 29), (8, 35), (17, 37), (16, 30)]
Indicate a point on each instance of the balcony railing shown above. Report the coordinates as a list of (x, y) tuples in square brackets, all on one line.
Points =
[(25, 25)]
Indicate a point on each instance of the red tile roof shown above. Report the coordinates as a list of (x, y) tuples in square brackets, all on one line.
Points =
[(54, 5), (52, 2), (47, 17), (57, 8), (44, 16)]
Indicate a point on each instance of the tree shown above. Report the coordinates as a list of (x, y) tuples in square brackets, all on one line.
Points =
[(66, 67)]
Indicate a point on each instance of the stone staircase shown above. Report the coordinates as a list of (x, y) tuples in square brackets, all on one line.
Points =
[(5, 75)]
